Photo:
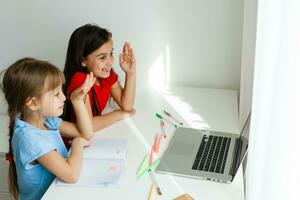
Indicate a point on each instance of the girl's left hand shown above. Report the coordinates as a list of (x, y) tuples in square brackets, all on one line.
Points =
[(81, 92), (127, 59)]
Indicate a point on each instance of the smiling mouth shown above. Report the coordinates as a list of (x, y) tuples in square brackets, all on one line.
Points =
[(106, 70)]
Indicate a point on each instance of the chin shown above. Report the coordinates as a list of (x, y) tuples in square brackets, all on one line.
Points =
[(106, 75)]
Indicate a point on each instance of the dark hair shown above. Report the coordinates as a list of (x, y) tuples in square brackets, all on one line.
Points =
[(83, 41), (24, 79)]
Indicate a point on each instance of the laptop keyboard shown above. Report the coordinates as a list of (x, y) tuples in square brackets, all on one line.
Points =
[(212, 154)]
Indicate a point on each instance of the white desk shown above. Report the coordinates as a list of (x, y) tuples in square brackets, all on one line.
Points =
[(216, 109)]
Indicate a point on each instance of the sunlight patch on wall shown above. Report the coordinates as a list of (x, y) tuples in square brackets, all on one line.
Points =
[(159, 71)]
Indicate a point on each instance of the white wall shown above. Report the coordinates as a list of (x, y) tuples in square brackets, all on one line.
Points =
[(273, 170), (248, 58), (193, 42)]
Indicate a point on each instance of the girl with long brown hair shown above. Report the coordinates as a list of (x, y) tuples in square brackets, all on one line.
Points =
[(33, 91)]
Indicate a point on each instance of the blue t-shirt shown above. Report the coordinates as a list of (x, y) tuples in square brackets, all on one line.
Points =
[(29, 143)]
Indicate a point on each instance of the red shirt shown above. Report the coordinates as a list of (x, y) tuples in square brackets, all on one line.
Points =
[(102, 91)]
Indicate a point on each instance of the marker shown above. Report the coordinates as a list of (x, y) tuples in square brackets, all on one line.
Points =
[(160, 117), (150, 167), (142, 164), (162, 127), (151, 154), (175, 119), (158, 142), (154, 182)]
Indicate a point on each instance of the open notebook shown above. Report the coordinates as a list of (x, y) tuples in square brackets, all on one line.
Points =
[(103, 164)]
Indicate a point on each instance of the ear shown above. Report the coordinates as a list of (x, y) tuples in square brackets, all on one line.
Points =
[(33, 104), (83, 62)]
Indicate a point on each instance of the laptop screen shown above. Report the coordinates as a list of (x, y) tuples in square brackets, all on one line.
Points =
[(242, 145)]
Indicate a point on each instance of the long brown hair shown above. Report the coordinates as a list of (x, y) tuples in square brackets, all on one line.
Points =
[(83, 41), (24, 79)]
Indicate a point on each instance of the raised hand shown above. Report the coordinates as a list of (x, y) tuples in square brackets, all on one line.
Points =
[(127, 59), (81, 92)]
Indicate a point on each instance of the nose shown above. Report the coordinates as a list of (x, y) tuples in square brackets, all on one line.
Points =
[(110, 61), (63, 97)]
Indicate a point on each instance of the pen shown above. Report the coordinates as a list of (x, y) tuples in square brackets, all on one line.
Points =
[(175, 119), (160, 117), (154, 182)]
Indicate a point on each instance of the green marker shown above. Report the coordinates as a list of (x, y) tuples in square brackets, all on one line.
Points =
[(160, 117), (142, 164), (150, 167)]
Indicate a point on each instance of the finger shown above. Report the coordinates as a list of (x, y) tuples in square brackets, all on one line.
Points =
[(131, 52), (126, 48), (121, 60), (91, 80)]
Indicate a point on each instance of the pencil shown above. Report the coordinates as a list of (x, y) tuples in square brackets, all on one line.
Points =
[(151, 192), (154, 182)]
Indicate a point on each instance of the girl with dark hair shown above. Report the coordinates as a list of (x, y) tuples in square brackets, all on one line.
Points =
[(90, 49), (33, 91)]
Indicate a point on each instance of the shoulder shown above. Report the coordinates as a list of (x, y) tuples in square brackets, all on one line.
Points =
[(78, 77), (76, 80), (29, 143), (26, 133), (53, 123)]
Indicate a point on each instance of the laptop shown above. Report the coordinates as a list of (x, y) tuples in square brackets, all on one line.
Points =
[(205, 154)]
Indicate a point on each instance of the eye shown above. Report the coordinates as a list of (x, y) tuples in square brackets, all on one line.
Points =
[(102, 57)]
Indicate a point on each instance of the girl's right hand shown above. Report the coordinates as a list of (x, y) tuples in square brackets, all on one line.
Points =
[(81, 92)]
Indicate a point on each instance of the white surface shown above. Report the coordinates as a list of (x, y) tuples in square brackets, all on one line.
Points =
[(106, 149), (216, 109), (3, 104), (4, 196), (193, 42), (103, 163), (273, 170), (98, 173), (4, 120), (3, 175)]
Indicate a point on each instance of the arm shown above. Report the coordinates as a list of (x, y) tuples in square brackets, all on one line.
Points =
[(67, 170), (103, 121), (83, 127), (125, 97)]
